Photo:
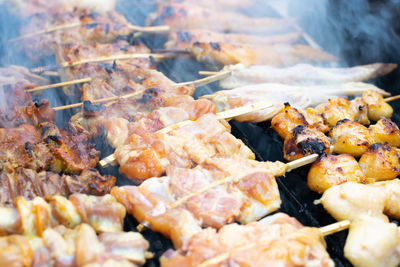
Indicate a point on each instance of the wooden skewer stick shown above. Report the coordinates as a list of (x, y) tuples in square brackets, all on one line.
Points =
[(40, 88), (116, 98), (335, 227), (110, 160), (149, 29), (50, 73), (200, 82), (101, 100), (99, 59), (48, 30), (207, 73), (326, 230), (392, 98)]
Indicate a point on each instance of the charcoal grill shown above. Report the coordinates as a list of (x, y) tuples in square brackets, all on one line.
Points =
[(297, 199)]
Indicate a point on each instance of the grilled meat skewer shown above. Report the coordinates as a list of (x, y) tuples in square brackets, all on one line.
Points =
[(149, 155), (302, 74), (244, 201), (33, 217), (353, 201), (28, 183), (274, 240), (77, 247)]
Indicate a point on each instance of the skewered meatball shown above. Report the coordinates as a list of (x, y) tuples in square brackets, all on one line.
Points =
[(305, 141), (386, 130), (360, 108), (336, 110), (332, 170), (392, 189), (350, 200), (284, 122), (377, 107), (373, 242), (315, 120), (350, 137), (380, 162)]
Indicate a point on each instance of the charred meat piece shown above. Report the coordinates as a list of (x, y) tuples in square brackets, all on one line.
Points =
[(29, 184), (331, 170), (249, 199), (70, 146), (285, 121), (74, 247), (47, 148), (305, 141), (274, 240)]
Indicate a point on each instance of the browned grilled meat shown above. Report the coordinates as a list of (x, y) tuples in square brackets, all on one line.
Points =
[(305, 141), (68, 150), (28, 183)]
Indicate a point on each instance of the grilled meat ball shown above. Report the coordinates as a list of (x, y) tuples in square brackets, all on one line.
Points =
[(335, 110), (377, 107), (387, 131), (350, 137), (305, 141), (331, 170), (380, 162), (285, 121)]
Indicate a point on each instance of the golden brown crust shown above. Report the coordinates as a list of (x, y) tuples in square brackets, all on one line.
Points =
[(331, 170)]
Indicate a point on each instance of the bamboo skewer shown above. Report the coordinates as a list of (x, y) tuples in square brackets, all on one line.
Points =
[(325, 230), (55, 85), (99, 59), (101, 100), (289, 167), (392, 98), (113, 99), (48, 30), (216, 77), (110, 160), (149, 29)]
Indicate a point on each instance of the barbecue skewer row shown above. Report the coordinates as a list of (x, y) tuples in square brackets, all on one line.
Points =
[(148, 29), (196, 83), (32, 217), (294, 75), (352, 201), (232, 179), (100, 59), (110, 160), (299, 128), (243, 181), (275, 240), (74, 247)]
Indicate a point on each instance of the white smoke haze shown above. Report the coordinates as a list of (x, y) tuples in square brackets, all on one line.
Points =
[(358, 31)]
